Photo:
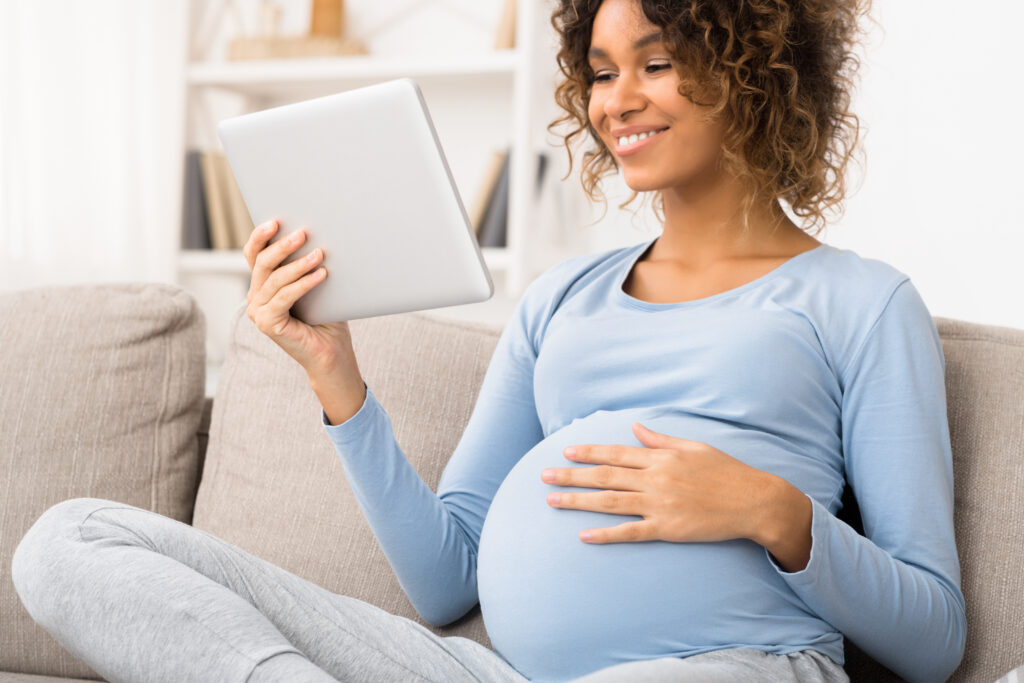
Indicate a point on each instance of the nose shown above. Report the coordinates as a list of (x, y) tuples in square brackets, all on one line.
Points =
[(626, 96)]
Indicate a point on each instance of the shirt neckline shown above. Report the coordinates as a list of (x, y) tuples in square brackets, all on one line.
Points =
[(642, 248)]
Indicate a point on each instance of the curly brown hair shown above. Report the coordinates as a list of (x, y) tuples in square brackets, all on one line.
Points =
[(781, 70)]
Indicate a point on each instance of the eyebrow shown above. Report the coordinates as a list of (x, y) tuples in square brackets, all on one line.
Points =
[(641, 43)]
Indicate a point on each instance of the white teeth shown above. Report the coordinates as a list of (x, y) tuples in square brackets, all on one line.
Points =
[(630, 139)]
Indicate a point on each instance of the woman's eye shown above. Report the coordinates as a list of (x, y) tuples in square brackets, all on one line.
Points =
[(650, 68)]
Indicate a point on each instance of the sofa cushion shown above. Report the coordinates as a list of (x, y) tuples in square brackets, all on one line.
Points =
[(103, 387), (985, 396), (273, 484)]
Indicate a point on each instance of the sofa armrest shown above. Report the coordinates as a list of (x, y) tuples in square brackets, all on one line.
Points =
[(103, 388)]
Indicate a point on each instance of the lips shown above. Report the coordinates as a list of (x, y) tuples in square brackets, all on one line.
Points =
[(631, 147)]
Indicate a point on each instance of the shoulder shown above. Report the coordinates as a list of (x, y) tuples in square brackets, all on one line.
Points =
[(861, 275), (852, 294), (549, 290)]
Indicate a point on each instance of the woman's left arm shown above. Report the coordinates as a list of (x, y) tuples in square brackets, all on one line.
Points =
[(896, 590)]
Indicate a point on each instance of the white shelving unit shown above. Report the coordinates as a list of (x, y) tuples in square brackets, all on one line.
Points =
[(319, 75), (480, 100)]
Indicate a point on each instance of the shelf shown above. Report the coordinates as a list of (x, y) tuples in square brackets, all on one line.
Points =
[(232, 262), (283, 77)]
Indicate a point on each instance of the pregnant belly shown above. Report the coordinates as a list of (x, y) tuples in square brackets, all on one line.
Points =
[(557, 608)]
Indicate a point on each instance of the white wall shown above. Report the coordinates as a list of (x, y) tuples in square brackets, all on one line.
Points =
[(90, 140), (939, 198), (939, 99)]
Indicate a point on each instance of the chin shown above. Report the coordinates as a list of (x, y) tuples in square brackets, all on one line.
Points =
[(643, 182)]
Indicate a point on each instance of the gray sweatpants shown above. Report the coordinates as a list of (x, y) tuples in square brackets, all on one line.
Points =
[(142, 597)]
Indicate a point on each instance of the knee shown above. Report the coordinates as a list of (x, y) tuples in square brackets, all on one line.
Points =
[(37, 560)]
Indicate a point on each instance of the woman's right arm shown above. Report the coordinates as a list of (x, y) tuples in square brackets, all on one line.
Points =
[(430, 539), (324, 351)]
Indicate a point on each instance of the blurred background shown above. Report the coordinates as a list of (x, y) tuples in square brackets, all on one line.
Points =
[(110, 168)]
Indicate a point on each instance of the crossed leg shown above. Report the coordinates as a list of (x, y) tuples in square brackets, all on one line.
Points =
[(142, 597)]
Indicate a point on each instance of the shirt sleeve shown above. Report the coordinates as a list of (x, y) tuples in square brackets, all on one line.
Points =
[(430, 539), (895, 591)]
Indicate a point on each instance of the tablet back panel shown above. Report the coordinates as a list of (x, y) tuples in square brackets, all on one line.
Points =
[(364, 173)]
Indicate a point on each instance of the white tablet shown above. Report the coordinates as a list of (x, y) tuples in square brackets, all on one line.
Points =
[(364, 173)]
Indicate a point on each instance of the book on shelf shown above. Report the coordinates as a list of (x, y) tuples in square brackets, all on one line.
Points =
[(215, 215), (488, 182), (542, 165), (239, 221), (196, 229), (216, 202), (490, 210), (494, 222)]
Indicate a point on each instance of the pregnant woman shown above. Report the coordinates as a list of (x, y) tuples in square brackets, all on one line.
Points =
[(648, 485)]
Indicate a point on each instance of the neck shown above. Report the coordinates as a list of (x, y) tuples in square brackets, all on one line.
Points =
[(703, 226)]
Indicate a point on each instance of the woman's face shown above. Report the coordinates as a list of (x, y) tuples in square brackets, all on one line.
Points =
[(636, 90)]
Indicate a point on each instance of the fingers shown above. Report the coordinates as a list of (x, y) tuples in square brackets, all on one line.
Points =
[(271, 316), (286, 275), (613, 454), (266, 258), (258, 240), (274, 289), (611, 502), (597, 477), (620, 533)]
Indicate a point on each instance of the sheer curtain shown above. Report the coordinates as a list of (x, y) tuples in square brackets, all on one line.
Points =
[(91, 130)]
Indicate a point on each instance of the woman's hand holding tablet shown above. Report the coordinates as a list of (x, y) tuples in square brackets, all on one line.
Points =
[(324, 351)]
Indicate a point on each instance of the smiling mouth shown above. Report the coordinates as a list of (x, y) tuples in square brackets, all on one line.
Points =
[(635, 142)]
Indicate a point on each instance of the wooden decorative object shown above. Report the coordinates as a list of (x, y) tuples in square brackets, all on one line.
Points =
[(326, 38), (294, 47), (328, 18), (270, 19), (505, 38)]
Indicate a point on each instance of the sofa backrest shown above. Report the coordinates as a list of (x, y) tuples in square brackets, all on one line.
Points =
[(102, 392), (274, 486), (985, 405)]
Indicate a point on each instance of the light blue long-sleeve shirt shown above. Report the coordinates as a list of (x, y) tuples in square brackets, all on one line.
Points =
[(827, 369)]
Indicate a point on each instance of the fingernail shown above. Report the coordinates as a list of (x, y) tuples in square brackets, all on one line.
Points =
[(313, 255), (586, 536), (548, 475), (555, 498), (570, 451)]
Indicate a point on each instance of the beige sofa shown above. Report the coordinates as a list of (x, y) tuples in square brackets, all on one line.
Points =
[(103, 397)]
